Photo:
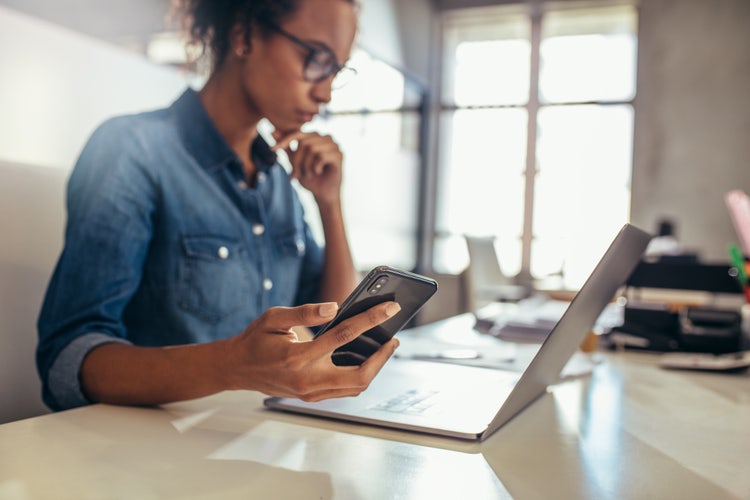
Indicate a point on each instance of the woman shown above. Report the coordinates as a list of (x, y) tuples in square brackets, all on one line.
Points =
[(183, 229)]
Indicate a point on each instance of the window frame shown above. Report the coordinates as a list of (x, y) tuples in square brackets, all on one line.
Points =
[(535, 13), (418, 105)]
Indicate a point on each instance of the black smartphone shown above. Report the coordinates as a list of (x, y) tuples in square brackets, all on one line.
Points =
[(384, 283)]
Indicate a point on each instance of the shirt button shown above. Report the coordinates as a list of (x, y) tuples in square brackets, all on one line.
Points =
[(261, 177), (223, 253), (267, 284), (258, 229), (242, 184), (300, 247)]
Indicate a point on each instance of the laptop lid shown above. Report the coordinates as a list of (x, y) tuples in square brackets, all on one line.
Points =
[(493, 399), (613, 269)]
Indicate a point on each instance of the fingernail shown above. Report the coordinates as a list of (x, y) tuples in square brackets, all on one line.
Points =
[(396, 343), (328, 309), (392, 308)]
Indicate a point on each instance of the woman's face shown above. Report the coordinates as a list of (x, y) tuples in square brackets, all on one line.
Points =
[(273, 71)]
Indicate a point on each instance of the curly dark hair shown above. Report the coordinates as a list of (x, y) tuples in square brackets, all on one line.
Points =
[(209, 22)]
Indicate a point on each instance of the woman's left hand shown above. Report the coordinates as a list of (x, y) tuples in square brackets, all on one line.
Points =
[(316, 163)]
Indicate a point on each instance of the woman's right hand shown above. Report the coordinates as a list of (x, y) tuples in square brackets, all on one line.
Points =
[(269, 357), (316, 163)]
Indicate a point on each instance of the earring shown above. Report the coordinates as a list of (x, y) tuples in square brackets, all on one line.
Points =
[(241, 51)]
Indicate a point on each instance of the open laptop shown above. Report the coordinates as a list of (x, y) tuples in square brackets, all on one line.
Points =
[(469, 402)]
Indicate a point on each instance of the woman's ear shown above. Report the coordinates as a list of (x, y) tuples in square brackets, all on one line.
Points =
[(239, 40)]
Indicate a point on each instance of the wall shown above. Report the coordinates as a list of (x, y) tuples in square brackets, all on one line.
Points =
[(57, 85), (692, 122), (417, 22), (378, 32)]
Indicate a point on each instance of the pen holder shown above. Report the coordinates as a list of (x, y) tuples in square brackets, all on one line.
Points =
[(590, 343), (740, 270)]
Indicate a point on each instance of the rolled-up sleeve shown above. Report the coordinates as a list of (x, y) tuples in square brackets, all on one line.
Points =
[(109, 229), (64, 374)]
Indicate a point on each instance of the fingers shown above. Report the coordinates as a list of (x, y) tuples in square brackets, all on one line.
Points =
[(353, 380), (284, 141), (283, 319), (277, 364), (312, 154), (348, 330), (374, 363)]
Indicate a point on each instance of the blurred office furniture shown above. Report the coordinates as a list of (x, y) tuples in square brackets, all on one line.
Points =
[(665, 241), (666, 247), (683, 306), (31, 200), (485, 280)]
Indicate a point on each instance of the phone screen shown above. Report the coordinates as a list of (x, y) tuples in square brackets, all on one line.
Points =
[(411, 291)]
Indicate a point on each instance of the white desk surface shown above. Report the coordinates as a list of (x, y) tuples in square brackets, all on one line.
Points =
[(629, 430)]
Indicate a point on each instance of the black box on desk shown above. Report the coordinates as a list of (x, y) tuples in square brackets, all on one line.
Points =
[(654, 327), (667, 326), (710, 330)]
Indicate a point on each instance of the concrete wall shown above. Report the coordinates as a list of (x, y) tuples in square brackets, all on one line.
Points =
[(692, 121), (417, 22), (378, 30)]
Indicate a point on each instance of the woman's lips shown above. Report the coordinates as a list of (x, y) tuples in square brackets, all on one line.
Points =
[(306, 116)]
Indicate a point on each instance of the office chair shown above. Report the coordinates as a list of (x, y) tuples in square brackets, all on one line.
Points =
[(485, 280)]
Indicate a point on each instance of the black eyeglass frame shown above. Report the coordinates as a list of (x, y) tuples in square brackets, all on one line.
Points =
[(334, 68)]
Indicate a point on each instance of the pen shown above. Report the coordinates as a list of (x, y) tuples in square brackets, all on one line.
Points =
[(738, 261), (738, 203)]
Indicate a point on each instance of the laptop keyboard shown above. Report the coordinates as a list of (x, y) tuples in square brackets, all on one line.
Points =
[(414, 402)]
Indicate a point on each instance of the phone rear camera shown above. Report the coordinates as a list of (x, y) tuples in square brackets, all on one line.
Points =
[(378, 285)]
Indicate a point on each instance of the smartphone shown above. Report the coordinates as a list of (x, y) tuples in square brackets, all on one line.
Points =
[(384, 283)]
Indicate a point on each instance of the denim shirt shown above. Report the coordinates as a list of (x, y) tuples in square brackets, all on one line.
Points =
[(167, 244)]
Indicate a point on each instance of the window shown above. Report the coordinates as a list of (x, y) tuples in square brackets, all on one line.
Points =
[(536, 137), (377, 121)]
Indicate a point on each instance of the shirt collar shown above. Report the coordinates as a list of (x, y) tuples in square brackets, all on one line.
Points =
[(263, 152), (203, 140)]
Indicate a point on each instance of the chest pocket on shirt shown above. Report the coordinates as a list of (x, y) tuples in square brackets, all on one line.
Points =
[(214, 277)]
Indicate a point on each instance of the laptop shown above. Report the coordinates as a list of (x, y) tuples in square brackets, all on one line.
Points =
[(470, 402)]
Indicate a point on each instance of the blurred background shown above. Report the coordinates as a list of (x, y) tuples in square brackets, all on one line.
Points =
[(545, 125)]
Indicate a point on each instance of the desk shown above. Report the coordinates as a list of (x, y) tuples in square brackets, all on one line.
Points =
[(630, 430)]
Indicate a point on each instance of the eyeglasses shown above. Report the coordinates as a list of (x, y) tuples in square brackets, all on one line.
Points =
[(320, 62)]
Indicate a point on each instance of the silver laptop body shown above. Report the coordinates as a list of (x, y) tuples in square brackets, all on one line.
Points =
[(470, 402)]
